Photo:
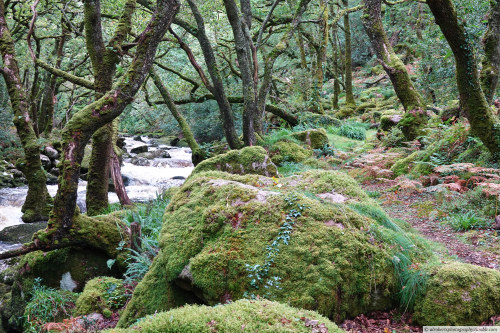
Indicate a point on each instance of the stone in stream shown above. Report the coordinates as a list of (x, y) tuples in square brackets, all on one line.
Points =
[(21, 233), (139, 149), (46, 162)]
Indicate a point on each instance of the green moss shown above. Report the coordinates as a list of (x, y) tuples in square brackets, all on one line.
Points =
[(284, 151), (315, 119), (364, 106), (459, 295), (218, 223), (346, 111), (101, 294), (247, 315), (247, 160), (315, 138)]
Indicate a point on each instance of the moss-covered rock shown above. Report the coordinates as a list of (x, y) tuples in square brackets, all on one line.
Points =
[(316, 119), (365, 106), (224, 238), (249, 160), (242, 315), (102, 294), (345, 111), (315, 138), (284, 151), (459, 295)]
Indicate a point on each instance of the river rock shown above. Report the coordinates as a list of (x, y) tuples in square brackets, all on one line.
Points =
[(21, 233), (51, 153), (139, 149), (140, 161), (51, 179), (120, 142), (17, 173), (46, 162), (54, 171), (138, 138)]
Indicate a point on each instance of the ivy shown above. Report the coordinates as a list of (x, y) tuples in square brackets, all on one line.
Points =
[(259, 274)]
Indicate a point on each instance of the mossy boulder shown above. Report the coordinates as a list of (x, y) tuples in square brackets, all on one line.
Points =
[(242, 315), (314, 138), (365, 106), (249, 160), (284, 151), (102, 294), (459, 295), (296, 240), (316, 119), (346, 111)]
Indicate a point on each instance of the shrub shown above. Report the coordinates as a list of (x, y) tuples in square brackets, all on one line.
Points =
[(467, 221)]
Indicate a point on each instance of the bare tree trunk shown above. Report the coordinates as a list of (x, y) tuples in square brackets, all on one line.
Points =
[(413, 103), (472, 100), (37, 204)]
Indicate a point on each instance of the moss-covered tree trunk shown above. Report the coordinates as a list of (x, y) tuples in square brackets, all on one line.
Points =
[(244, 55), (104, 60), (197, 153), (490, 71), (38, 201), (335, 60), (218, 87), (85, 122), (472, 100), (321, 55), (349, 96), (412, 101)]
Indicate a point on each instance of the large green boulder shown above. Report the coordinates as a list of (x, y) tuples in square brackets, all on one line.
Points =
[(459, 295), (240, 316), (296, 240), (249, 160), (102, 294), (285, 151), (314, 138)]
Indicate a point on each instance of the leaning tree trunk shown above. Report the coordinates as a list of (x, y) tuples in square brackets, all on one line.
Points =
[(472, 100), (218, 87), (84, 123), (490, 71), (37, 204), (349, 96), (198, 154), (413, 103)]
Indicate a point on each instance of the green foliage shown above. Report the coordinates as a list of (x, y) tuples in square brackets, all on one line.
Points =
[(102, 294), (46, 305), (469, 220), (289, 168), (324, 151), (394, 138), (474, 202), (355, 131)]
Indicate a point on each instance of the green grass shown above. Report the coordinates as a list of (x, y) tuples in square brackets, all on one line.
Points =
[(467, 221)]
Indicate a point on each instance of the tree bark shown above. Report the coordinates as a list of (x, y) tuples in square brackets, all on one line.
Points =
[(244, 56), (218, 87), (38, 201), (490, 71), (413, 103), (104, 60), (472, 100), (85, 122)]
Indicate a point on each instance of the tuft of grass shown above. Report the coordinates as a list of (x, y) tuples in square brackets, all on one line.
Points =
[(47, 305), (289, 168)]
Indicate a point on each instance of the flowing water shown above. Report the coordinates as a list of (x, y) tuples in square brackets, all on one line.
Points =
[(143, 183)]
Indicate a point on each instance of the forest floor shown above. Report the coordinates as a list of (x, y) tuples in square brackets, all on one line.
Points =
[(423, 211)]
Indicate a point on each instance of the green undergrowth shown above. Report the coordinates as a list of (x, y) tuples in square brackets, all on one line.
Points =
[(47, 305)]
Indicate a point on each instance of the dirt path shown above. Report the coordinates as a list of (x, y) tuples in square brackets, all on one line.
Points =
[(403, 206)]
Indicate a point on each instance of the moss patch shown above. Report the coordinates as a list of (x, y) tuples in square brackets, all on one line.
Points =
[(315, 138), (101, 294), (284, 151), (242, 315), (252, 160), (459, 295)]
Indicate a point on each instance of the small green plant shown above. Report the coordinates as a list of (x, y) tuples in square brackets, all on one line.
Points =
[(46, 305), (467, 221), (412, 280), (353, 131), (289, 168), (324, 151)]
